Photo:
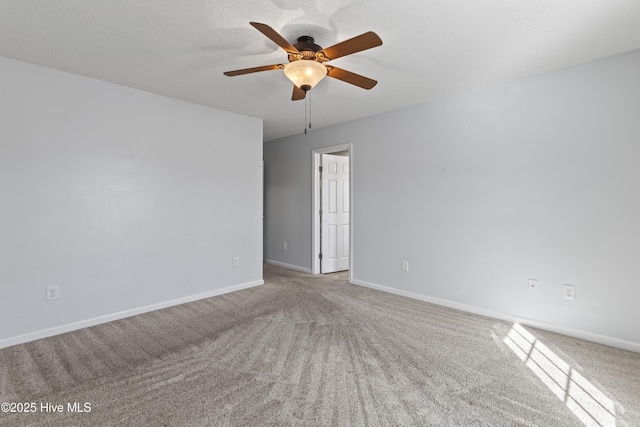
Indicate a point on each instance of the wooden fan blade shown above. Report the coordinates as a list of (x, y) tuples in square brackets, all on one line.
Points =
[(253, 70), (298, 93), (349, 77), (275, 37), (356, 44)]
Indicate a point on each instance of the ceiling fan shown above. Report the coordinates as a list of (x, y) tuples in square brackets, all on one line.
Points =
[(307, 66)]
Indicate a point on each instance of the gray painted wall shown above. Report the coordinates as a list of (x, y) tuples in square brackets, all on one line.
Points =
[(126, 200), (536, 178)]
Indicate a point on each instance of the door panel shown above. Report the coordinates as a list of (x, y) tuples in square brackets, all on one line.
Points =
[(332, 243), (345, 240), (345, 197), (332, 188), (335, 213)]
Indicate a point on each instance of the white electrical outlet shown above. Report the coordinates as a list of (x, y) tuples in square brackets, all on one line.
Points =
[(284, 245), (569, 291), (533, 286), (405, 265), (53, 292), (236, 262)]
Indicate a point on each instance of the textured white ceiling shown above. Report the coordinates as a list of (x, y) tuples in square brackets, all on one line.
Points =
[(432, 49)]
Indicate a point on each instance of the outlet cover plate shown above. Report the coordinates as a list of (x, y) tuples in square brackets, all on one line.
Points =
[(53, 292), (569, 291)]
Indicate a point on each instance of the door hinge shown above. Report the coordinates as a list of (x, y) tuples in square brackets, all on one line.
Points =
[(320, 168), (320, 256), (320, 212)]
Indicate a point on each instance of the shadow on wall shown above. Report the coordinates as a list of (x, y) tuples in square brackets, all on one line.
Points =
[(586, 402)]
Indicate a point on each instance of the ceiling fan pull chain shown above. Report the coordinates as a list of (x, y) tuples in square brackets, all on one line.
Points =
[(305, 113), (309, 96)]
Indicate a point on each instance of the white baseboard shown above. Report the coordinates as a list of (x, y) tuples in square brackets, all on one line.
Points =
[(56, 330), (576, 333), (289, 266)]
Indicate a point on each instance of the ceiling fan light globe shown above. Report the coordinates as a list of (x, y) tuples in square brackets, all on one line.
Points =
[(305, 72)]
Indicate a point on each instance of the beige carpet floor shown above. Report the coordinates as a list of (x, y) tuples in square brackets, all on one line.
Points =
[(308, 350)]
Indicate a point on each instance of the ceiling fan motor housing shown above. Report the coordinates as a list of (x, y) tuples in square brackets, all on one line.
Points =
[(307, 49), (306, 43)]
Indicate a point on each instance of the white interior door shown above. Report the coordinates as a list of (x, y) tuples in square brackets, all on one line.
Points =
[(335, 213)]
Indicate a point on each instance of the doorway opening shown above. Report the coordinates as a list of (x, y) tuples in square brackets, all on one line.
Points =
[(332, 212)]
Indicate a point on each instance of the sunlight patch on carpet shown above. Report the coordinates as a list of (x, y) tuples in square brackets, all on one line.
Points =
[(584, 399)]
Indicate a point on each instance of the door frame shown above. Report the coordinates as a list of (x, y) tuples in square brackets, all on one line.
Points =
[(315, 205)]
